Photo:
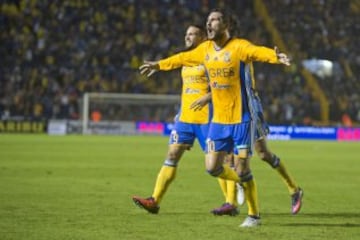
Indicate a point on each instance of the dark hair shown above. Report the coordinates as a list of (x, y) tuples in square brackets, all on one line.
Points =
[(201, 28), (202, 32), (228, 18)]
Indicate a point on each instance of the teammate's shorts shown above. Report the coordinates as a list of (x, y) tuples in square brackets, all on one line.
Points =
[(186, 133)]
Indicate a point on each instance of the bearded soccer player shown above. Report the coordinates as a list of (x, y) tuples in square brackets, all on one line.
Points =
[(225, 59)]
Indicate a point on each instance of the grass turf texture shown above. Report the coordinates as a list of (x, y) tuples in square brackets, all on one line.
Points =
[(80, 187)]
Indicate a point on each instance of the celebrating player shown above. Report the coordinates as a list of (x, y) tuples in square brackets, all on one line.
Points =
[(226, 60)]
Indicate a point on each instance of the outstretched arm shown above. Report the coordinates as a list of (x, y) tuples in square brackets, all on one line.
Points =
[(263, 54), (187, 58), (149, 68)]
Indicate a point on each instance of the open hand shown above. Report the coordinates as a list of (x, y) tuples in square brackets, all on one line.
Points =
[(149, 68), (282, 57)]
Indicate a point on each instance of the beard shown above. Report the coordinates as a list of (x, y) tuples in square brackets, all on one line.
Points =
[(216, 37)]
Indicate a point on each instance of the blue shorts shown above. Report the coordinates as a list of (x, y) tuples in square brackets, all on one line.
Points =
[(185, 133), (230, 138)]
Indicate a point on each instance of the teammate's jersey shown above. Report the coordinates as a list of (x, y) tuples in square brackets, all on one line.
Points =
[(195, 85), (226, 72)]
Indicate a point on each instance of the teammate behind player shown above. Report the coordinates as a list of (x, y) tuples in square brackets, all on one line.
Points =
[(189, 124), (262, 150), (262, 130)]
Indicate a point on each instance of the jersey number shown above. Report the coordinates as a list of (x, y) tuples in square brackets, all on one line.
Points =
[(210, 146), (174, 137)]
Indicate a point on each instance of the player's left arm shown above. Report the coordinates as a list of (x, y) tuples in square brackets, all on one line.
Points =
[(264, 54), (148, 68)]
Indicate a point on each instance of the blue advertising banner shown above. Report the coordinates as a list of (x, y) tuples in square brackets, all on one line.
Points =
[(277, 132), (314, 133), (302, 132)]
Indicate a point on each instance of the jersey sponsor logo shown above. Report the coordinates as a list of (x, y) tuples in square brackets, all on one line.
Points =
[(220, 86), (221, 72)]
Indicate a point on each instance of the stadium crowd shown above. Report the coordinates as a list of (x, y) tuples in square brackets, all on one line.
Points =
[(326, 29), (54, 51)]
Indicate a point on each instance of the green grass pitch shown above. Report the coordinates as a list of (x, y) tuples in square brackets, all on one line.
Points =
[(80, 187)]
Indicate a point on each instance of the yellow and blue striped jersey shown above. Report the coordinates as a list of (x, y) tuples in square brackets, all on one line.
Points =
[(195, 85), (226, 70)]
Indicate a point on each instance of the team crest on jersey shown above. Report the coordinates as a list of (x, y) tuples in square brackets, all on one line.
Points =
[(226, 57)]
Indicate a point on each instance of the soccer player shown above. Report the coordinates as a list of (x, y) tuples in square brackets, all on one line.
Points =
[(226, 60), (189, 124)]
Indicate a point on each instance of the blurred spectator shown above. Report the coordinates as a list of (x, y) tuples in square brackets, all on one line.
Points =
[(326, 30), (54, 51)]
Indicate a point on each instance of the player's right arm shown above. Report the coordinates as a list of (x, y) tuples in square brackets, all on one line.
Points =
[(192, 57), (149, 68), (201, 102)]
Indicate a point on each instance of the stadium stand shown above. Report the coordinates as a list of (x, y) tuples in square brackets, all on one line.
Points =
[(54, 51), (326, 30)]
